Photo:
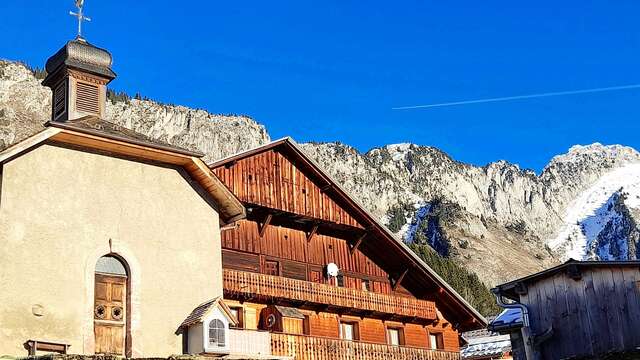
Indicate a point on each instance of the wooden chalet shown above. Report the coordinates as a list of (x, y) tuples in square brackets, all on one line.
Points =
[(322, 275)]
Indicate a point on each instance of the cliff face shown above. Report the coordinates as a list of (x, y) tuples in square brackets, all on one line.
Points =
[(498, 220), (25, 105)]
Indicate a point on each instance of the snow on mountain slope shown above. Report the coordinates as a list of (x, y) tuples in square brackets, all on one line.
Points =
[(588, 215), (495, 219)]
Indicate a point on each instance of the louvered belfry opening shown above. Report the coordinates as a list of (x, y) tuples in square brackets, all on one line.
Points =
[(87, 98), (78, 75), (60, 99)]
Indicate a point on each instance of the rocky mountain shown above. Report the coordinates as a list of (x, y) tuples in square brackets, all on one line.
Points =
[(25, 105), (498, 220)]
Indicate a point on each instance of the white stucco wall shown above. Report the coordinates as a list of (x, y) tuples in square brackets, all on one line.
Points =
[(61, 209)]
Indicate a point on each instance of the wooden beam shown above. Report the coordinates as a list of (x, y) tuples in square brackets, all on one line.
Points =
[(263, 226), (311, 233), (399, 280), (358, 242)]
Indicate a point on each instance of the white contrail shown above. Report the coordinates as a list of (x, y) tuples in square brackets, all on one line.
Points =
[(520, 97)]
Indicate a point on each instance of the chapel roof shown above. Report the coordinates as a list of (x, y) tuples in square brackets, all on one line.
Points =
[(80, 54), (96, 126)]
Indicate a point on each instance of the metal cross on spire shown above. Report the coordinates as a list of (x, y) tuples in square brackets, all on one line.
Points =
[(80, 16)]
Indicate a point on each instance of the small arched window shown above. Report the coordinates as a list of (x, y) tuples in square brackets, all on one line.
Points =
[(216, 333)]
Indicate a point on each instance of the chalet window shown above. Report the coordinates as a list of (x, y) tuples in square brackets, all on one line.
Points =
[(216, 333), (349, 330), (340, 280), (436, 341), (366, 285), (395, 336), (237, 313), (272, 268)]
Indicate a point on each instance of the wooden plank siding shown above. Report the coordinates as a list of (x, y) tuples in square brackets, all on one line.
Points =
[(270, 179), (282, 244), (302, 347), (598, 313)]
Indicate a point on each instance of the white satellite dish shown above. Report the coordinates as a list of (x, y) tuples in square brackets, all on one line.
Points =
[(332, 270)]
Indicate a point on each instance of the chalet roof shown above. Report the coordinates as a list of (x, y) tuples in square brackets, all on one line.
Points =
[(472, 319), (572, 267), (95, 134), (201, 311), (289, 312)]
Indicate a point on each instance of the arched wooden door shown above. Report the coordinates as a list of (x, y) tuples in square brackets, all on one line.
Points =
[(110, 306)]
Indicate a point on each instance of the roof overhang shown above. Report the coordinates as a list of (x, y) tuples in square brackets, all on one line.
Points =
[(472, 318), (230, 209)]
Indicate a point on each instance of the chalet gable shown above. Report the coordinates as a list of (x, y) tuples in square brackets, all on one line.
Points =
[(286, 172), (276, 182)]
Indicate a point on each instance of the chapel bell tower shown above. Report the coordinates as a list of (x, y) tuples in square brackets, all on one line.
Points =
[(78, 75)]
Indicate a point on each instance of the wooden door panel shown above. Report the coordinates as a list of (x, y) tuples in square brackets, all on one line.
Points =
[(117, 293), (109, 339), (101, 291)]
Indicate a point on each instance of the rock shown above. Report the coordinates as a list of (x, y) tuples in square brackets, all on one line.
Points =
[(25, 106)]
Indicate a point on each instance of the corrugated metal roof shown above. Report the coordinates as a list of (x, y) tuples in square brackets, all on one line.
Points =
[(486, 347)]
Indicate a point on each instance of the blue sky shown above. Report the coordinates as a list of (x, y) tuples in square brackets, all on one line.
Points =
[(333, 70)]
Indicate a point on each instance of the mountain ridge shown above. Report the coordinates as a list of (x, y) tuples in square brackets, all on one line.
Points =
[(496, 220)]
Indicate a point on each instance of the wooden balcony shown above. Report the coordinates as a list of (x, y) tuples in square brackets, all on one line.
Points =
[(247, 286), (302, 347)]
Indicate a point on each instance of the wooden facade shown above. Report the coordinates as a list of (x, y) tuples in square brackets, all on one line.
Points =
[(383, 303), (580, 309)]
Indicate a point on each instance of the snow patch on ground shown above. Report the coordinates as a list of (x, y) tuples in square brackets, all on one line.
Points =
[(398, 151), (587, 215)]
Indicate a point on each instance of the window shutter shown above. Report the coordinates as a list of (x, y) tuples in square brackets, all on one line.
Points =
[(88, 98)]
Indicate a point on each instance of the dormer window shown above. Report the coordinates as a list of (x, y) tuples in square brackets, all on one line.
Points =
[(217, 333)]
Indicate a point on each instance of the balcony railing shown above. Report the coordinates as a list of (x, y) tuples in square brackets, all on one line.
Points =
[(246, 285), (302, 347)]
